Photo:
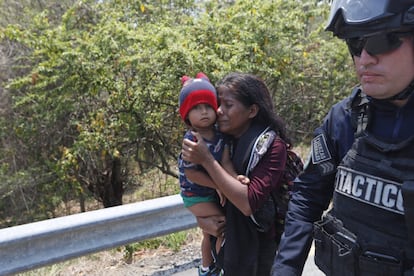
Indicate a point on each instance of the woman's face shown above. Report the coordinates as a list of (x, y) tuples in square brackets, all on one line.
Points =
[(233, 117)]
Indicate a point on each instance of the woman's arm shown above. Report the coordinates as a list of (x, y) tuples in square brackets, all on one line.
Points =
[(200, 177), (236, 192), (203, 179)]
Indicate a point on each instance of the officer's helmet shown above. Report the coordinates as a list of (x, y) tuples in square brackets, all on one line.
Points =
[(358, 18)]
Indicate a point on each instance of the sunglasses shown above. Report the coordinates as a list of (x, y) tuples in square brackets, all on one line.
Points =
[(376, 44)]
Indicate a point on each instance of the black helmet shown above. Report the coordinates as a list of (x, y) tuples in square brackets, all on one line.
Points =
[(354, 18)]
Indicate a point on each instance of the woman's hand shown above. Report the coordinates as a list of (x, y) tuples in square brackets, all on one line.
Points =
[(214, 225), (195, 151)]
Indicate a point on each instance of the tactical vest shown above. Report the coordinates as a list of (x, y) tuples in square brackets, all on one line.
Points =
[(368, 194), (369, 200)]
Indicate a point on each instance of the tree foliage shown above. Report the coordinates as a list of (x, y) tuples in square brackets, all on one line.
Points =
[(99, 91)]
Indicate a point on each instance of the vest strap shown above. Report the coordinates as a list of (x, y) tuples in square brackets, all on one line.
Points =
[(408, 196)]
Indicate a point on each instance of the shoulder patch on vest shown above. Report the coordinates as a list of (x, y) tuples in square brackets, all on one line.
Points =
[(320, 151)]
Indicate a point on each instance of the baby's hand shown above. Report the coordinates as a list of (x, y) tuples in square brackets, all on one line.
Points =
[(243, 179)]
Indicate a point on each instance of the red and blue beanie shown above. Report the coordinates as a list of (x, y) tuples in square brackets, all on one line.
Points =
[(196, 91)]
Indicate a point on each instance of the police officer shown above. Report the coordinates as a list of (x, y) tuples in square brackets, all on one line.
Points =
[(362, 156)]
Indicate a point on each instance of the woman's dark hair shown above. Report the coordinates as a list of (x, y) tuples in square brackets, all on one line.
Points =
[(250, 89)]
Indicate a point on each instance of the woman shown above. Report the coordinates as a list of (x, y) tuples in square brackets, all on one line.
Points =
[(247, 115)]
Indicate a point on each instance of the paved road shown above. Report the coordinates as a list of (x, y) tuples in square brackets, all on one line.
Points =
[(310, 269)]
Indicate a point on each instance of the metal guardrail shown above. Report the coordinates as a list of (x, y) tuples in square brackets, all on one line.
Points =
[(37, 244)]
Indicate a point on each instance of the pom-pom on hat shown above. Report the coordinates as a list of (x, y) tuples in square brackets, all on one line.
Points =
[(196, 91)]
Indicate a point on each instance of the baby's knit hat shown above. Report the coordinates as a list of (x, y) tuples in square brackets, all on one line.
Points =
[(196, 91)]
